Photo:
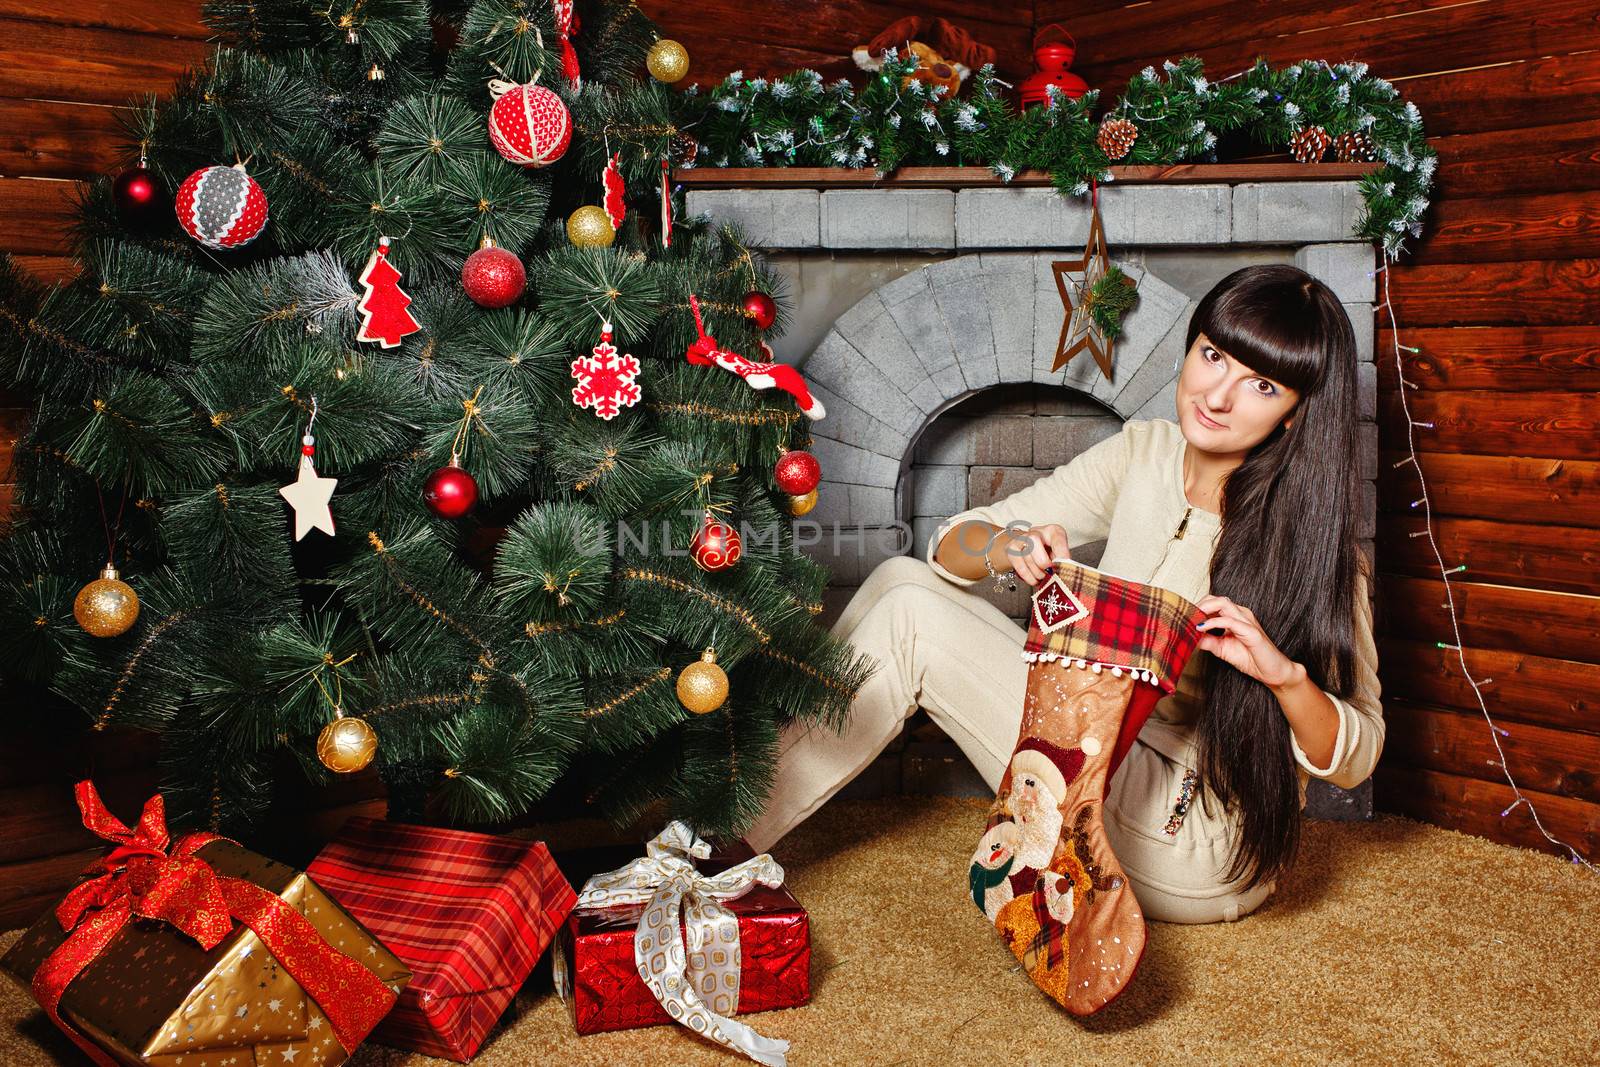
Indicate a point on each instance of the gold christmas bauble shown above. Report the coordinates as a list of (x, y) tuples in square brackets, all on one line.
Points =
[(346, 745), (590, 227), (703, 686), (107, 606), (668, 61), (799, 505)]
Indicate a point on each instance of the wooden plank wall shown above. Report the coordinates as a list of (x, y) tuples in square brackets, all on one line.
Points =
[(65, 69), (1500, 298)]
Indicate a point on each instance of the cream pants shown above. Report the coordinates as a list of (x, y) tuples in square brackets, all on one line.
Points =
[(958, 656)]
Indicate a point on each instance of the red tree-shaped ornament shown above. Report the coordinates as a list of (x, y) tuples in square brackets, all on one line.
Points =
[(384, 317)]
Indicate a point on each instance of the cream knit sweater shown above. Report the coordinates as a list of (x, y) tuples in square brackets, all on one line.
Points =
[(1128, 489)]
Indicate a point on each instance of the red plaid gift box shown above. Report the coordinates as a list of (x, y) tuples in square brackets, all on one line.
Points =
[(469, 913), (596, 968)]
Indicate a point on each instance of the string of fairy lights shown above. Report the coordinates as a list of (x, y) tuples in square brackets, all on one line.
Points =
[(1496, 731)]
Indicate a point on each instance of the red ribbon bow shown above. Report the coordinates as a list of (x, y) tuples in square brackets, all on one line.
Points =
[(141, 876)]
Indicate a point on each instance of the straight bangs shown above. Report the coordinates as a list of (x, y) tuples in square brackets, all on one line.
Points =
[(1273, 323)]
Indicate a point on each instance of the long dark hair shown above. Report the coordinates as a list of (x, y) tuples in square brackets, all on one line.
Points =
[(1287, 549)]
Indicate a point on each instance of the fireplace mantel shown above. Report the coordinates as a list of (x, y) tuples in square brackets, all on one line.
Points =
[(976, 176)]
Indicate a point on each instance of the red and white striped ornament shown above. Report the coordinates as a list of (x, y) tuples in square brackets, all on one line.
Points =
[(666, 207), (611, 182), (221, 207), (529, 124), (567, 24)]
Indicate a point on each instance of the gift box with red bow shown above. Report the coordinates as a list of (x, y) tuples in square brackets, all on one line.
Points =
[(200, 952), (684, 935), (469, 913)]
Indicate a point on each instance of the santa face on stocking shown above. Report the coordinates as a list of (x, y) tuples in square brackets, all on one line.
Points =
[(1040, 774)]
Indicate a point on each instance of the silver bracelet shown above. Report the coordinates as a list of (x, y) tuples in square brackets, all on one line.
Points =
[(1003, 583)]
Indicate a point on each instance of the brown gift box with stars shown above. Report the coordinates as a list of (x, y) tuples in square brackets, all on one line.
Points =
[(154, 996)]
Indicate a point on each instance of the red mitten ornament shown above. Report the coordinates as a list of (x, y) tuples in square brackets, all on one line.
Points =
[(706, 351), (605, 379), (384, 317), (1103, 650), (611, 181)]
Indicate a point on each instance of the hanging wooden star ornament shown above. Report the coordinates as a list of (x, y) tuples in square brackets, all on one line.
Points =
[(1094, 295), (309, 493)]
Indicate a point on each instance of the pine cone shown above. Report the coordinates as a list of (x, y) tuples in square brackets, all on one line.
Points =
[(1354, 147), (1116, 137), (683, 149), (1309, 144)]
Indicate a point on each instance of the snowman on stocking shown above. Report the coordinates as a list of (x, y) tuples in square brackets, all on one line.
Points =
[(1103, 650)]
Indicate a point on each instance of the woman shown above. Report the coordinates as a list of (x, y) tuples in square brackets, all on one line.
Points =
[(1246, 506)]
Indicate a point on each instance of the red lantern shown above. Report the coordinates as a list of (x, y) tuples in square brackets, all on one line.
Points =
[(797, 473), (450, 492), (759, 308), (1053, 51), (716, 545)]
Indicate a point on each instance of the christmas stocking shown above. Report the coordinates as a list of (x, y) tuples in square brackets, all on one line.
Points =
[(705, 351), (1103, 651)]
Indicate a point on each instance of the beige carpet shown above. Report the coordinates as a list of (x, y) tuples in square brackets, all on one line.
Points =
[(1392, 942)]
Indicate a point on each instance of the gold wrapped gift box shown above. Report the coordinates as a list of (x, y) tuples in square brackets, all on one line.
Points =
[(154, 996)]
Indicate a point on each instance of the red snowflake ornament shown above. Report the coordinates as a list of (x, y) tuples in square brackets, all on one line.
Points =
[(605, 379), (384, 317)]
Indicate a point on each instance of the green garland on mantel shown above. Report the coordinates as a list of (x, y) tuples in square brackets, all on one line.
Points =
[(797, 121)]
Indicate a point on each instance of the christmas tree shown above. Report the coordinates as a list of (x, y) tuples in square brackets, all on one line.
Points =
[(508, 601)]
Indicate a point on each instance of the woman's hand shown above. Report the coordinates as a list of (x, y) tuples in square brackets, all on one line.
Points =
[(1029, 552), (1244, 646)]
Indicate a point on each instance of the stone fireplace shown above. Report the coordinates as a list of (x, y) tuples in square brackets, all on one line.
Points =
[(926, 319)]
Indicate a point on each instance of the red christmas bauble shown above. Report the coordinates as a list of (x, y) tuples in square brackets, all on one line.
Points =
[(139, 197), (798, 473), (494, 277), (716, 546), (759, 308), (529, 125), (221, 207), (450, 492)]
